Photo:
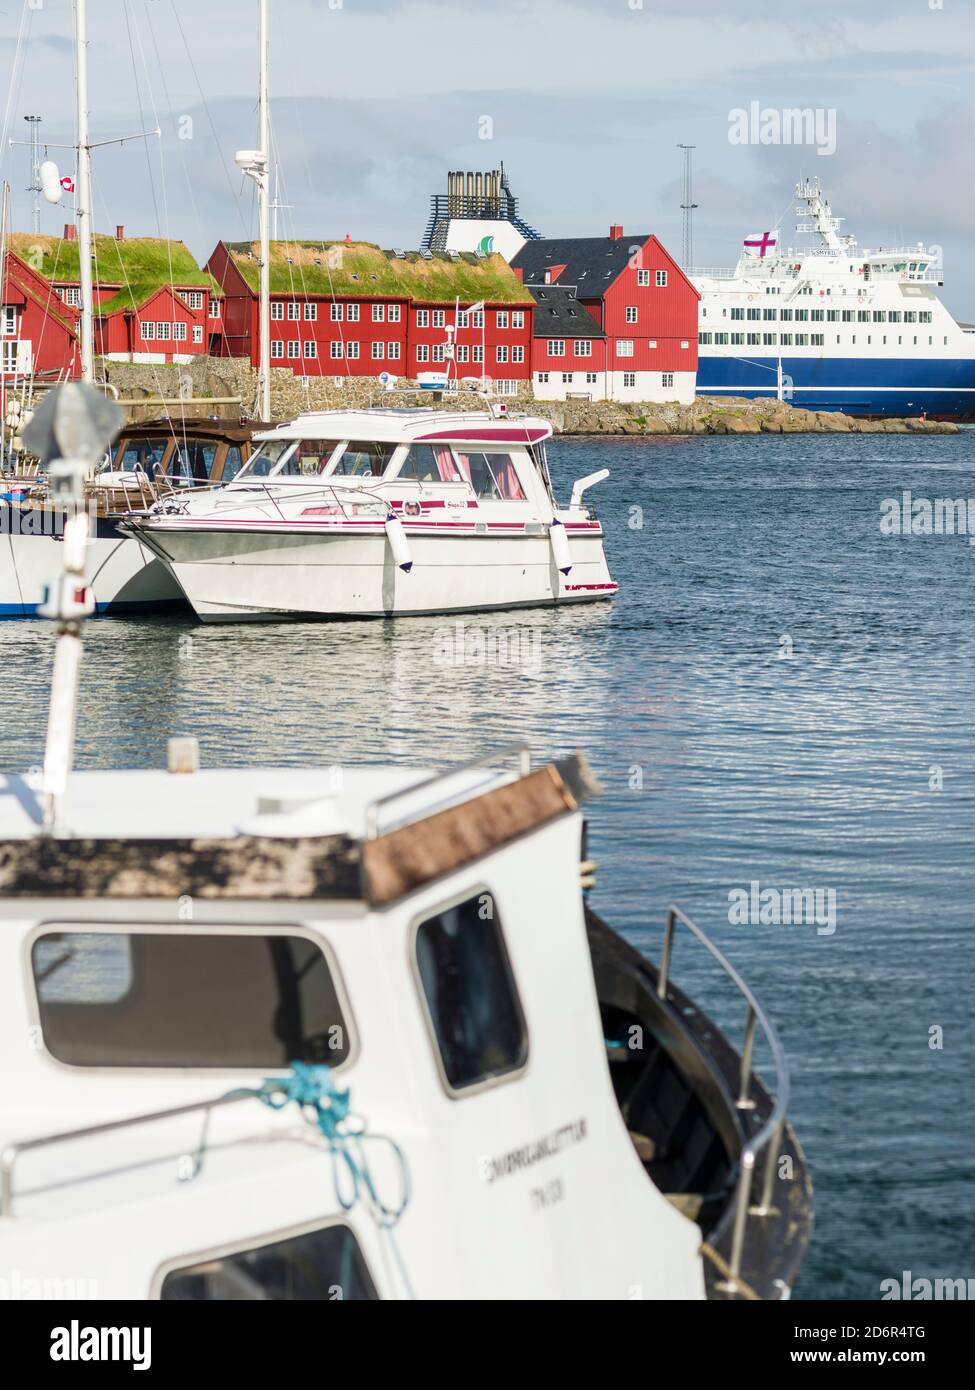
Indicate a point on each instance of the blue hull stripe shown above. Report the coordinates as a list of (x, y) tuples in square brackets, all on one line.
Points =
[(102, 610), (858, 386)]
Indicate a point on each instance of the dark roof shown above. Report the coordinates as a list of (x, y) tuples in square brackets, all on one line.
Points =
[(558, 314), (591, 263), (229, 431)]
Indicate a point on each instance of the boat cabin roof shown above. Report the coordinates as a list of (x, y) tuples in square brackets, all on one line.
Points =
[(414, 426), (178, 427), (371, 834)]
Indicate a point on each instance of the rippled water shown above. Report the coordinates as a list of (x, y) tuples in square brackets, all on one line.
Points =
[(812, 771)]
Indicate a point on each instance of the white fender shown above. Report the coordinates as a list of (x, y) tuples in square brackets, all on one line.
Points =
[(51, 181), (560, 546), (398, 543)]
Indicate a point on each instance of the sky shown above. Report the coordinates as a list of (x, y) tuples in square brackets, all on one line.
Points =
[(585, 102)]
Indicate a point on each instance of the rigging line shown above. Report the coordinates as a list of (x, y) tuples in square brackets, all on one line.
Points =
[(16, 80), (128, 286), (206, 107), (161, 67), (142, 117), (164, 231)]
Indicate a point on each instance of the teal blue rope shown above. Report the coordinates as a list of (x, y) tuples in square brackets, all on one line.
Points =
[(328, 1106)]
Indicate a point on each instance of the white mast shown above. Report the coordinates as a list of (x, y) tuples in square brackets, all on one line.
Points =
[(84, 196), (263, 191)]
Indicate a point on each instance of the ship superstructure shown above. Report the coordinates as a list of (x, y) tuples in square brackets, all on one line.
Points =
[(829, 325)]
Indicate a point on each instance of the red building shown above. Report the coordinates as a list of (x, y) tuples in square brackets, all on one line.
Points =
[(351, 309), (616, 319), (38, 331), (153, 303)]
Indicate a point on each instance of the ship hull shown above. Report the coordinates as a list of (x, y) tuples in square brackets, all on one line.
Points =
[(938, 388), (125, 577)]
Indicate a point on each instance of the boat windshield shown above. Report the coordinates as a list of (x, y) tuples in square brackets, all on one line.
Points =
[(290, 458), (266, 458), (363, 459), (139, 455)]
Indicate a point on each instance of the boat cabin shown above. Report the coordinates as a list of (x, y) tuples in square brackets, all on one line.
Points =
[(175, 452), (332, 1036)]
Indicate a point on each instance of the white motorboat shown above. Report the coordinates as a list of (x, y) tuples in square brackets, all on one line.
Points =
[(506, 1100), (381, 512), (148, 460)]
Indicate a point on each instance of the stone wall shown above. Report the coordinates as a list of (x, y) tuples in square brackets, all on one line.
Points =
[(227, 387)]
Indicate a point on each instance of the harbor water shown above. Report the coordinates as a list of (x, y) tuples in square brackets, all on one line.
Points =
[(781, 696)]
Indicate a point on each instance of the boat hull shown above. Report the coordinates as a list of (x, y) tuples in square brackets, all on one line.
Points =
[(125, 576), (941, 388), (262, 574)]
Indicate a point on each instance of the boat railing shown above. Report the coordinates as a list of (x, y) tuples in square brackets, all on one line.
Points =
[(764, 1146), (12, 1152), (277, 490), (484, 761)]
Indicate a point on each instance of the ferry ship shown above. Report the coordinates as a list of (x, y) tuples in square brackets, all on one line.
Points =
[(832, 326)]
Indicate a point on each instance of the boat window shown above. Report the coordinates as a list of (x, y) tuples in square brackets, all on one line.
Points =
[(266, 459), (364, 459), (192, 461), (429, 464), (470, 993), (144, 454), (186, 999), (325, 1266), (311, 456), (233, 461), (492, 476)]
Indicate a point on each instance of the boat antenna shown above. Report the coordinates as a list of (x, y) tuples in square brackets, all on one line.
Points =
[(71, 429)]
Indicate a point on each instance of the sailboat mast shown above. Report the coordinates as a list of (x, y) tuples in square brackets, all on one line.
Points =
[(264, 188), (84, 195)]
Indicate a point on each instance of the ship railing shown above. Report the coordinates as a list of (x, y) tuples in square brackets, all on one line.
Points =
[(486, 762), (291, 490), (12, 1152), (759, 1154)]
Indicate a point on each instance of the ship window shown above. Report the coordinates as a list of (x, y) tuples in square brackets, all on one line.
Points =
[(363, 459), (191, 461), (141, 455), (324, 1266), (469, 991), (186, 999), (232, 464), (266, 458), (492, 476), (427, 464)]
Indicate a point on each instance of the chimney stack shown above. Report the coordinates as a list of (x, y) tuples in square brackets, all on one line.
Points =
[(120, 233), (70, 231), (615, 232)]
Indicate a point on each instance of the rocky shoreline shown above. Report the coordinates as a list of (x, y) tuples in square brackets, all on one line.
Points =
[(728, 415)]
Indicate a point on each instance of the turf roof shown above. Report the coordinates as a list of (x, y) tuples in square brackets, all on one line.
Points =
[(362, 269)]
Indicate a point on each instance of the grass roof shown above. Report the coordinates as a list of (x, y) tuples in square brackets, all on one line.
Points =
[(360, 268), (140, 266)]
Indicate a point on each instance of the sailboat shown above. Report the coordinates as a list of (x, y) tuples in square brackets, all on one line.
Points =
[(147, 462)]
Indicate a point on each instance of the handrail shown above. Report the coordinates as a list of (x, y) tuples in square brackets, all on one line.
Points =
[(483, 761), (770, 1134), (305, 490), (11, 1152)]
